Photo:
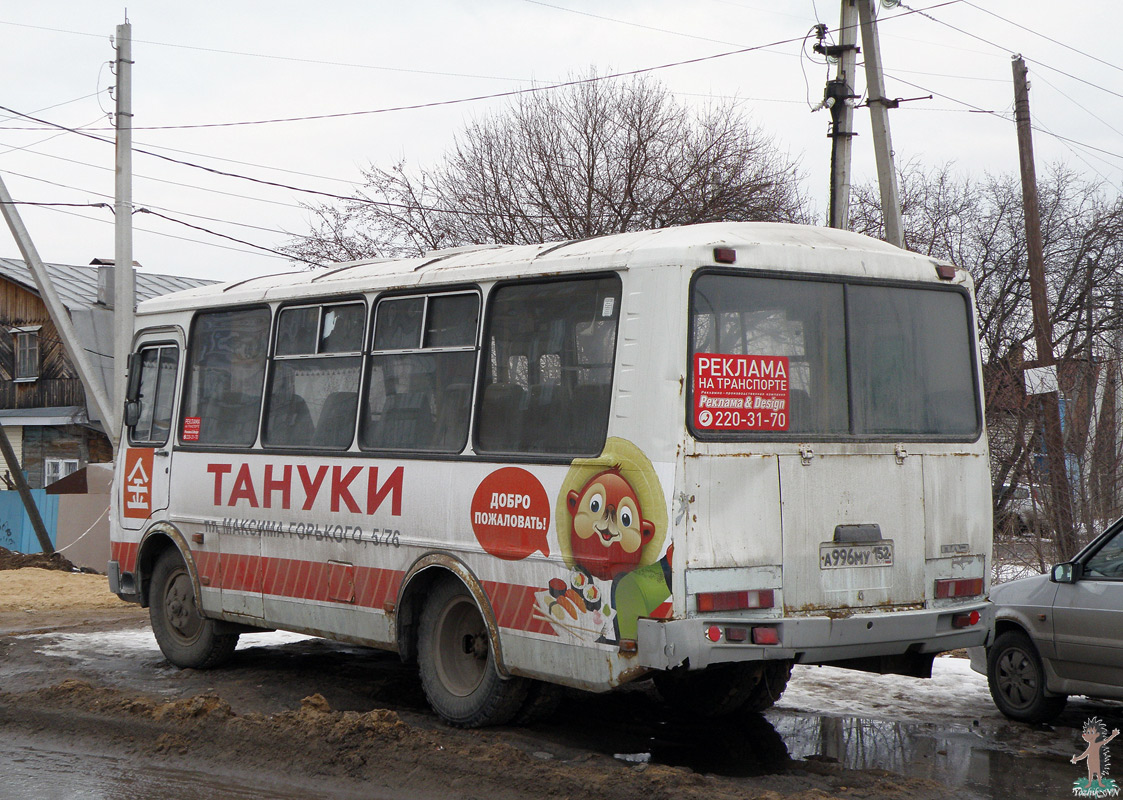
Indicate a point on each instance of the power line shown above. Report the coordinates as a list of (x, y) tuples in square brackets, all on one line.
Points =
[(500, 95), (1009, 50), (272, 56), (1043, 36), (229, 238)]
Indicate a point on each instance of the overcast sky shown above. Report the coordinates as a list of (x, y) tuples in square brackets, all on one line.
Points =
[(202, 63)]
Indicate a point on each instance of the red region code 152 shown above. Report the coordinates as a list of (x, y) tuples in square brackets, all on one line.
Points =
[(740, 392)]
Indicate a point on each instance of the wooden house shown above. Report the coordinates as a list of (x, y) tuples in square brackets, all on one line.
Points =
[(43, 407)]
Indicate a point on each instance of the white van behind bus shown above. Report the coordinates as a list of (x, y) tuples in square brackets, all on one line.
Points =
[(700, 454)]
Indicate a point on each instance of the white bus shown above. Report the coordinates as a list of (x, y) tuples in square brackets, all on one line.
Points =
[(698, 454)]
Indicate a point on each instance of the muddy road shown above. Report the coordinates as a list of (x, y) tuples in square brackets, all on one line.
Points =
[(89, 708)]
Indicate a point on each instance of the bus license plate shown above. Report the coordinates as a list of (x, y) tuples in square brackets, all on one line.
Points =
[(834, 556)]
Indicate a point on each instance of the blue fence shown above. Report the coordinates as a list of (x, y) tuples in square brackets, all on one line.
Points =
[(16, 532)]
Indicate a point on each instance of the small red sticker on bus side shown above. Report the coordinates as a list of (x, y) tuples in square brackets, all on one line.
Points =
[(740, 393), (511, 514), (191, 428)]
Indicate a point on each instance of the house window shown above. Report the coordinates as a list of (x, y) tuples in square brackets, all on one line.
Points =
[(26, 354), (55, 469)]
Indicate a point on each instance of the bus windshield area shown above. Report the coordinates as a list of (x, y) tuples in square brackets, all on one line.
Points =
[(823, 358)]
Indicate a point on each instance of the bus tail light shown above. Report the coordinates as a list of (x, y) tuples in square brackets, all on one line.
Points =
[(766, 636), (965, 620), (961, 587), (725, 255), (758, 634), (734, 601)]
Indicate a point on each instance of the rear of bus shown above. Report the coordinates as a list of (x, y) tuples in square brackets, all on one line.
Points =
[(833, 500)]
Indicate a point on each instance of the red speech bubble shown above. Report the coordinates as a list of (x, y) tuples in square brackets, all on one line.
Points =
[(511, 514)]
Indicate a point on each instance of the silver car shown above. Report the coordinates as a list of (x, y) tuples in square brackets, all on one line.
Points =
[(1059, 634)]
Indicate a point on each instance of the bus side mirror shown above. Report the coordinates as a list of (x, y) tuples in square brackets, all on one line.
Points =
[(132, 388), (1069, 572), (132, 391), (132, 413)]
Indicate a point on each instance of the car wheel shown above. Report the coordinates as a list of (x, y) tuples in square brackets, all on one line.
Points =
[(1016, 678), (186, 638)]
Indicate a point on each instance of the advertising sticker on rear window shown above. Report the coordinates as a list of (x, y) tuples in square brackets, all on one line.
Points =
[(740, 393)]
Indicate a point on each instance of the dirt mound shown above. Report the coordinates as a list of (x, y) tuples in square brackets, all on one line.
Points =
[(11, 560), (39, 589), (412, 761)]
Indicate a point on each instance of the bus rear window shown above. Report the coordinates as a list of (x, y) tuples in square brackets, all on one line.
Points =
[(826, 359)]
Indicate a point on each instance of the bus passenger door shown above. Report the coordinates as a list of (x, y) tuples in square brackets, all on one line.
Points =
[(144, 467)]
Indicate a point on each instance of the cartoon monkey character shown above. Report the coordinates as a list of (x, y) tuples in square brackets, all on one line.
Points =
[(609, 530)]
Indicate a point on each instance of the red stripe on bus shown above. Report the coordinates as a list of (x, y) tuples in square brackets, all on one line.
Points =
[(513, 604), (124, 553)]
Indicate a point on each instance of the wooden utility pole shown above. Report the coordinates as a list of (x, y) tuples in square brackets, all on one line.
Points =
[(1042, 326)]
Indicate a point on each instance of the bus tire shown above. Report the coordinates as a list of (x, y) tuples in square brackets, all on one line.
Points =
[(457, 664), (717, 691), (187, 639), (773, 681), (1016, 678)]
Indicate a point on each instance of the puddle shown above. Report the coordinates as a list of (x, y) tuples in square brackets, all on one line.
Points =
[(965, 757), (66, 775)]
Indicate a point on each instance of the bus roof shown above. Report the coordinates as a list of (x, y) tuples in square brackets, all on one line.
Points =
[(761, 245)]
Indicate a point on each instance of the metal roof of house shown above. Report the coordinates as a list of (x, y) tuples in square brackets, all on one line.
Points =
[(77, 286)]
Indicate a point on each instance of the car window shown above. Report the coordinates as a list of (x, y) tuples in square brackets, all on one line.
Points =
[(1108, 560)]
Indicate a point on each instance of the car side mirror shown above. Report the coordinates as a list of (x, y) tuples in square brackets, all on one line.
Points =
[(1069, 572)]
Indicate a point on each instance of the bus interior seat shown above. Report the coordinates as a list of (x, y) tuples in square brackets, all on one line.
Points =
[(499, 427), (589, 422), (230, 418), (547, 418), (407, 421), (453, 409), (336, 426), (288, 421)]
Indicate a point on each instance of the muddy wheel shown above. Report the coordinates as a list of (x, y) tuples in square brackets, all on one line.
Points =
[(457, 665), (716, 691), (773, 681), (186, 638), (1017, 680)]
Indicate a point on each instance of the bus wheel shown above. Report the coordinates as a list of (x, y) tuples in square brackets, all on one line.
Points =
[(186, 638), (716, 691), (773, 681), (457, 665)]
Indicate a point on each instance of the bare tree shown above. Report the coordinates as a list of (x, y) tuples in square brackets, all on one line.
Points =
[(598, 157), (977, 224)]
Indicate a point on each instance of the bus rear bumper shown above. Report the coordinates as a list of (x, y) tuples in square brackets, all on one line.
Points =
[(702, 641)]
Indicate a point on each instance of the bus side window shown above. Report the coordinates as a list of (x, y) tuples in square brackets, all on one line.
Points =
[(158, 367), (314, 376), (420, 373), (548, 363), (225, 377)]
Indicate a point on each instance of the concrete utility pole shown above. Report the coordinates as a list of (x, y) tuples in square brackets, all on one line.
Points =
[(879, 117), (1042, 326), (838, 97), (124, 282)]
